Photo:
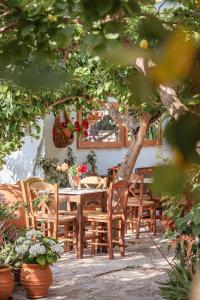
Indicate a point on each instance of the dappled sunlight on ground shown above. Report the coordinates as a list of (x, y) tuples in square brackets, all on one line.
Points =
[(133, 277)]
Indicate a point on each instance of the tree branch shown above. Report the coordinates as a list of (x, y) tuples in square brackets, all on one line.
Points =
[(166, 92), (61, 101), (6, 13), (7, 28)]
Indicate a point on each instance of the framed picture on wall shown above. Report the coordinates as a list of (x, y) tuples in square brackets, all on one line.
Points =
[(104, 132)]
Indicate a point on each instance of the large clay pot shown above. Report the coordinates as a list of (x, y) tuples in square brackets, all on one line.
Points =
[(6, 282), (36, 280)]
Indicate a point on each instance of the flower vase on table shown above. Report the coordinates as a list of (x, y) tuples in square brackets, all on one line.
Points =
[(74, 173), (74, 181)]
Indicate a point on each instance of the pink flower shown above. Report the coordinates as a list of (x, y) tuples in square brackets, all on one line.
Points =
[(82, 169), (63, 125), (85, 124), (85, 133), (63, 167), (77, 126)]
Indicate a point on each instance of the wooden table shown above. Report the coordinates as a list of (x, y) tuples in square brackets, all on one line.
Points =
[(81, 196)]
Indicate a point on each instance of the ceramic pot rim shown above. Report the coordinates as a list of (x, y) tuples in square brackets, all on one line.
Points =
[(34, 266), (5, 267)]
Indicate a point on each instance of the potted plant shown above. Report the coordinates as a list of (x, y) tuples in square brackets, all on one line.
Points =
[(6, 276), (91, 159), (37, 253), (11, 258), (74, 172)]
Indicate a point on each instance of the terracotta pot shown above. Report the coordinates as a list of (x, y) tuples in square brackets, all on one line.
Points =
[(36, 280), (6, 282)]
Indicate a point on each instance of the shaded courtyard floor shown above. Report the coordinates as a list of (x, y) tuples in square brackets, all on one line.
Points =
[(133, 277)]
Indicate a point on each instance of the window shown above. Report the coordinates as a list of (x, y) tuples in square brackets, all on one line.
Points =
[(105, 133)]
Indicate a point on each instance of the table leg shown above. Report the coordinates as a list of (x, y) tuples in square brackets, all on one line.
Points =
[(80, 227), (104, 209)]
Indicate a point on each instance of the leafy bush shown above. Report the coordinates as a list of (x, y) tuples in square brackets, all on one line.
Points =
[(7, 214), (178, 285)]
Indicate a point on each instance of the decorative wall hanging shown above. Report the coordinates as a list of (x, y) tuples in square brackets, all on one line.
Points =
[(62, 135)]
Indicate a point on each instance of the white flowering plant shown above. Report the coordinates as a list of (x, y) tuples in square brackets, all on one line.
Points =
[(35, 248)]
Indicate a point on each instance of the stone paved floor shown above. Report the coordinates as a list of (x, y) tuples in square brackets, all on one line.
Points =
[(134, 277)]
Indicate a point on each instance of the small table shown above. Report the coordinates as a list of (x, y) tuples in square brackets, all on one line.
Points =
[(80, 196)]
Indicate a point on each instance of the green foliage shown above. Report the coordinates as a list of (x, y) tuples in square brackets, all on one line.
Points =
[(50, 49), (8, 256), (178, 134), (178, 285), (52, 174), (8, 232), (91, 159)]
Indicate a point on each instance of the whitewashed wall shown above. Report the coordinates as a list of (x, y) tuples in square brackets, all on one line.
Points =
[(105, 157), (19, 164)]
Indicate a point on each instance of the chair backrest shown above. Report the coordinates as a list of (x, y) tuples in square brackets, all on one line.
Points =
[(146, 172), (118, 196), (44, 203), (136, 189), (94, 182), (26, 195)]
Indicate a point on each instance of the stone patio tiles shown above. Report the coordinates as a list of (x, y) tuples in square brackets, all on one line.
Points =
[(134, 277)]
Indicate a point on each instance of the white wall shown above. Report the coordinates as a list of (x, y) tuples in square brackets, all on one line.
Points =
[(19, 164), (105, 157)]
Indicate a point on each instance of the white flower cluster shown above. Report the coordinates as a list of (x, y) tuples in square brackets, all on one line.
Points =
[(50, 242), (33, 234), (21, 249), (37, 249), (20, 240), (57, 248), (35, 244)]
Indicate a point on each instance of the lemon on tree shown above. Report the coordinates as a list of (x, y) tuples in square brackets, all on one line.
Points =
[(144, 44)]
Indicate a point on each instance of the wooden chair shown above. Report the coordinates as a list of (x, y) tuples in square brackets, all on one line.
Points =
[(148, 172), (140, 209), (43, 202), (93, 182), (29, 214), (103, 224)]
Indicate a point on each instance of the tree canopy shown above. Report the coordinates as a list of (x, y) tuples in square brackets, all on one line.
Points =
[(69, 52)]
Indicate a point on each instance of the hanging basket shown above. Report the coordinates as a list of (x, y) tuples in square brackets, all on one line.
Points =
[(62, 137)]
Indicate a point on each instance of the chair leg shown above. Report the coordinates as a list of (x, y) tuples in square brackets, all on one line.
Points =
[(121, 238), (110, 240), (93, 226), (131, 228), (138, 224), (154, 221), (100, 237)]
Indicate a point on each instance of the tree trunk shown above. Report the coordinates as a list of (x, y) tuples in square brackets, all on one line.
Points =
[(166, 92), (38, 152), (129, 160)]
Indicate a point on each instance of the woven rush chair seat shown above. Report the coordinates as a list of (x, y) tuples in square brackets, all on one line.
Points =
[(100, 216), (61, 218), (132, 201)]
